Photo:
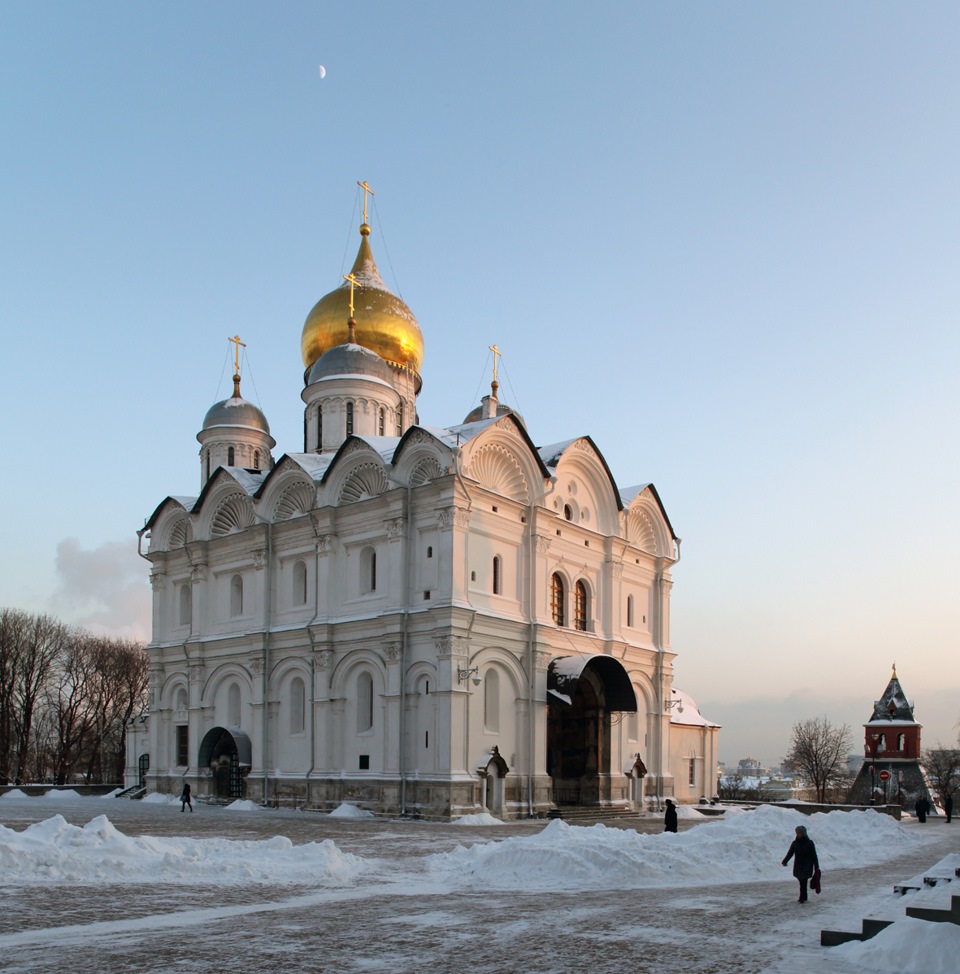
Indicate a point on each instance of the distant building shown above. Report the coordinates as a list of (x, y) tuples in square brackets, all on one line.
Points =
[(890, 771)]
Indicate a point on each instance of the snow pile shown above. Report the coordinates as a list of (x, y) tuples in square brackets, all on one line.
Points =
[(896, 949), (242, 805), (14, 793), (54, 851), (350, 811), (746, 848), (159, 798), (57, 794), (480, 818)]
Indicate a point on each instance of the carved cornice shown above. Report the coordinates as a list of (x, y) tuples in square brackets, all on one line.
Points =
[(449, 645)]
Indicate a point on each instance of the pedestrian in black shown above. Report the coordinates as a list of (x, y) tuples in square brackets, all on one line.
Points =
[(922, 807), (804, 855), (948, 807), (670, 817), (185, 798)]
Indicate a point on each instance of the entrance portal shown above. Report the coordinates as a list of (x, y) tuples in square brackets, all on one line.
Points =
[(226, 752), (583, 694)]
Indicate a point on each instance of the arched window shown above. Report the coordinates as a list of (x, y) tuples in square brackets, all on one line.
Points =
[(233, 705), (186, 604), (297, 700), (256, 459), (901, 741), (568, 512), (368, 570), (557, 599), (349, 419), (491, 701), (580, 607), (883, 742), (364, 702), (236, 595), (181, 699), (382, 422), (497, 575), (300, 583), (629, 610), (230, 457), (320, 428), (400, 419), (208, 464)]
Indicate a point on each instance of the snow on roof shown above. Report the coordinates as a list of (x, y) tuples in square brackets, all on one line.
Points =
[(250, 481), (691, 716), (315, 465), (551, 453), (630, 494)]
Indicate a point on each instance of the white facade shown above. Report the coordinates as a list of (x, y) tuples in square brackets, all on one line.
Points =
[(428, 623)]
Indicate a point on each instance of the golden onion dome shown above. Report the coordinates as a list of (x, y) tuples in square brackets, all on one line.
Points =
[(385, 324)]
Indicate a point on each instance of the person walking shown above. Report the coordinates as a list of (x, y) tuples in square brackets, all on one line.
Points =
[(670, 817), (185, 798), (922, 807), (948, 807), (805, 862)]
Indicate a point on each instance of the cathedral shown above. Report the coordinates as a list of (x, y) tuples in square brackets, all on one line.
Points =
[(420, 620)]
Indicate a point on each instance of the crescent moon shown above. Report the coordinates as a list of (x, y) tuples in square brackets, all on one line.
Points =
[(323, 71)]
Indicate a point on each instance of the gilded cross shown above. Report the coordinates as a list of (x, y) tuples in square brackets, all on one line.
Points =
[(353, 283), (496, 351), (236, 351), (366, 189)]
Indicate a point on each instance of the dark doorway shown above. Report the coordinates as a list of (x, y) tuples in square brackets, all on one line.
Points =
[(226, 752), (143, 766)]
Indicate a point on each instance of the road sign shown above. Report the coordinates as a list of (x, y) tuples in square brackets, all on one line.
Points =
[(884, 775)]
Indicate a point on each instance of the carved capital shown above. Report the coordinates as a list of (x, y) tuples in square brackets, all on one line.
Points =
[(256, 664), (396, 527), (158, 580), (392, 649), (617, 569), (323, 658), (198, 573), (543, 544), (259, 556), (449, 645), (196, 673), (325, 543), (541, 660)]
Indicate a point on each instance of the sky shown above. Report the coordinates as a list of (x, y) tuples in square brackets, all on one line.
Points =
[(502, 876), (720, 239)]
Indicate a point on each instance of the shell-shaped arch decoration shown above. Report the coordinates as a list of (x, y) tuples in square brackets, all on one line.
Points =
[(642, 531), (426, 470), (177, 535), (297, 498), (367, 480), (498, 470), (233, 514)]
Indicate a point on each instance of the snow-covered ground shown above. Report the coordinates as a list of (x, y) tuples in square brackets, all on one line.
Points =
[(140, 886)]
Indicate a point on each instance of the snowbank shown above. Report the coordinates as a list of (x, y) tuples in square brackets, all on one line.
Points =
[(480, 818), (350, 811), (746, 848), (54, 851), (243, 805)]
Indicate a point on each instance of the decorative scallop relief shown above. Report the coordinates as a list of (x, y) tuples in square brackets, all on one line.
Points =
[(177, 536), (425, 471), (233, 514), (296, 499), (642, 533), (365, 481), (497, 469)]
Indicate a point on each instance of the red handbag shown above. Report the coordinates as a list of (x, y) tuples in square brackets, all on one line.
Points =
[(815, 882)]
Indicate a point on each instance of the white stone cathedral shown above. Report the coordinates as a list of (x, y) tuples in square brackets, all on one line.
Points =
[(420, 620)]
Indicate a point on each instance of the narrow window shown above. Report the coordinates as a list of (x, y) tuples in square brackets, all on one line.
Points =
[(183, 746), (230, 457), (368, 570), (233, 704), (208, 464), (256, 459), (883, 742), (400, 419), (429, 551), (382, 422), (320, 428), (497, 574), (629, 610), (693, 772), (236, 595), (349, 419), (557, 598), (491, 701), (297, 700), (300, 583), (580, 607), (186, 605), (364, 703), (901, 741), (181, 699)]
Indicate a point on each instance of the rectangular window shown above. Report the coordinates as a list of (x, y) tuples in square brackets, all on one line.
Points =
[(364, 762), (183, 746), (693, 772)]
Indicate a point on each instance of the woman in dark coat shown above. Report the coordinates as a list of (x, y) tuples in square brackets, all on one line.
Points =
[(804, 855), (670, 818)]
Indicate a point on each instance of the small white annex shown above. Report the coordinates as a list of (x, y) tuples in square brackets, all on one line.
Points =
[(423, 620)]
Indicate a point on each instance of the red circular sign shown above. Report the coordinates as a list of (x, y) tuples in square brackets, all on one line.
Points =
[(884, 775)]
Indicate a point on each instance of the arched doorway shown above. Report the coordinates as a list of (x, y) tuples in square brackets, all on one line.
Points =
[(583, 694), (492, 774), (226, 752)]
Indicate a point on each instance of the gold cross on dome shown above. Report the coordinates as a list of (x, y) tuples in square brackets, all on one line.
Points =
[(236, 351), (353, 283), (366, 189), (496, 351)]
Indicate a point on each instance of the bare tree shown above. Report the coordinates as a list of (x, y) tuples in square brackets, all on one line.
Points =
[(818, 751), (942, 765)]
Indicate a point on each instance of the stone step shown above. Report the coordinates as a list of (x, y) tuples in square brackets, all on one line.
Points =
[(937, 916), (868, 929)]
